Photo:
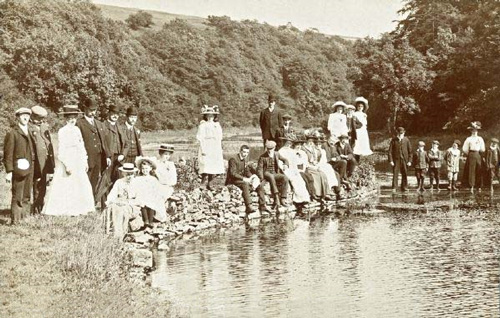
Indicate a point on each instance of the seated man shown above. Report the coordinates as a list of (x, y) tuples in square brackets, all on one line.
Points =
[(343, 158), (238, 173), (269, 170)]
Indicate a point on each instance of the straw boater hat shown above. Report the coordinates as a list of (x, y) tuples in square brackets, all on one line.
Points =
[(475, 125), (22, 111), (362, 100), (166, 147), (207, 110), (150, 160), (128, 168), (338, 104), (70, 110)]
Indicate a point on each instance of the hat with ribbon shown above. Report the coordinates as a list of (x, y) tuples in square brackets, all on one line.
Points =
[(475, 125), (166, 147), (128, 168), (210, 110), (70, 110)]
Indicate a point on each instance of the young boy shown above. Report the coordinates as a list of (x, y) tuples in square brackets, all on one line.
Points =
[(421, 164), (452, 159), (435, 159), (492, 161)]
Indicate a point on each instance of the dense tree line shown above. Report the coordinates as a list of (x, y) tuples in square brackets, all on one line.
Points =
[(438, 68)]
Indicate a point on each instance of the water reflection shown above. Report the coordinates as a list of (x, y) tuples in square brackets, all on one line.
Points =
[(394, 264)]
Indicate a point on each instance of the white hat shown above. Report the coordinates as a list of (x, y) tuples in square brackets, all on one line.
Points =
[(207, 110), (23, 110), (350, 107), (128, 168), (363, 100), (39, 111)]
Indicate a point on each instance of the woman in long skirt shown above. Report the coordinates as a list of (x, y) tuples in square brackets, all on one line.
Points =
[(209, 136), (362, 145), (70, 193), (473, 148), (300, 193)]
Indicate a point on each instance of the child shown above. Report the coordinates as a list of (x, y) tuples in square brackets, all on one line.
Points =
[(435, 159), (421, 164), (452, 159), (166, 173), (492, 161)]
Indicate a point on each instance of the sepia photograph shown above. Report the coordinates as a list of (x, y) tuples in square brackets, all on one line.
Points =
[(249, 158)]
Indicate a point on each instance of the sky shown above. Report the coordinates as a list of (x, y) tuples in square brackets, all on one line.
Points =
[(357, 18)]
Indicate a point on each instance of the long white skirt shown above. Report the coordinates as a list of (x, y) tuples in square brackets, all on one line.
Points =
[(362, 146), (300, 193), (331, 179), (69, 195)]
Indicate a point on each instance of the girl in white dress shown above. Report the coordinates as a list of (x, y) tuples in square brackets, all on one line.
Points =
[(166, 172), (362, 146), (337, 121), (70, 193), (209, 136)]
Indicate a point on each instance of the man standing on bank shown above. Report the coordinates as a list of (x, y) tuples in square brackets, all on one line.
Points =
[(132, 137), (113, 142), (270, 121), (399, 158), (93, 138), (44, 156), (18, 157)]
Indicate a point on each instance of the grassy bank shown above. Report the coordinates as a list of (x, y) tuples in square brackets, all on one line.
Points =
[(66, 267)]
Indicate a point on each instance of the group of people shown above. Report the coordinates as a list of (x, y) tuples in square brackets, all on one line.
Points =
[(481, 164)]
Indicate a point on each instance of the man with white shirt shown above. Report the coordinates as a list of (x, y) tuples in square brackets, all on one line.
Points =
[(131, 137), (93, 137), (18, 160), (473, 149)]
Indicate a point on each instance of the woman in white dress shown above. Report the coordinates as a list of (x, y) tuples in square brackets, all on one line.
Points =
[(166, 172), (300, 193), (70, 193), (362, 146), (209, 136), (337, 121)]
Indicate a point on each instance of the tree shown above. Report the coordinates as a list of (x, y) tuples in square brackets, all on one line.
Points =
[(141, 19)]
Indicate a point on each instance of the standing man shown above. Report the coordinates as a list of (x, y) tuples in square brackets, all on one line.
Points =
[(353, 123), (44, 156), (399, 158), (18, 160), (270, 121), (93, 137), (114, 142), (132, 137)]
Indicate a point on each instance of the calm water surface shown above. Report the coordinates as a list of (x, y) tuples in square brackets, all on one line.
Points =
[(392, 264)]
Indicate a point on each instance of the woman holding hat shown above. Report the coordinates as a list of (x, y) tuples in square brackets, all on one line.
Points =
[(209, 136), (166, 172), (362, 146), (337, 121), (473, 148), (71, 192)]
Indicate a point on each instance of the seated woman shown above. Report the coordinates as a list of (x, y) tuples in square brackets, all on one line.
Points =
[(166, 173), (300, 193), (150, 194), (121, 203)]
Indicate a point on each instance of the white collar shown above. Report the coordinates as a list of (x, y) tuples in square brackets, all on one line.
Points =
[(111, 122), (128, 125)]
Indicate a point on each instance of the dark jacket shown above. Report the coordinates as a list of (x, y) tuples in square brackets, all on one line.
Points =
[(93, 138), (492, 158), (113, 139), (399, 149), (338, 150), (435, 158), (420, 159), (270, 123), (237, 170), (43, 149), (353, 123), (131, 140), (17, 146), (265, 161)]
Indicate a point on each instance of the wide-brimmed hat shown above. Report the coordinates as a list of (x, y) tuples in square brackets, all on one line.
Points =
[(128, 168), (287, 116), (70, 110), (131, 111), (299, 140), (475, 125), (362, 100), (350, 107), (150, 160), (210, 110), (166, 147), (23, 110), (339, 104)]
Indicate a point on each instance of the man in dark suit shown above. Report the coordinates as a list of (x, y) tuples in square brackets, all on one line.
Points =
[(270, 121), (44, 156), (353, 123), (343, 158), (131, 137), (18, 158), (114, 142), (93, 137), (284, 130), (399, 158), (239, 174), (269, 170)]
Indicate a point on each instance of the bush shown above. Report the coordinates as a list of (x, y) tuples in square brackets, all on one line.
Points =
[(141, 19)]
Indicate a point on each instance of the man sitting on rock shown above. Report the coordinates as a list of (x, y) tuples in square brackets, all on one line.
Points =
[(269, 170), (238, 173), (343, 157)]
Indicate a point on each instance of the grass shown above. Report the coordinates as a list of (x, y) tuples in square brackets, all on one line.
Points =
[(67, 267)]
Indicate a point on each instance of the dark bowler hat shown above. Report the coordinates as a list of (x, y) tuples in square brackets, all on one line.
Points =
[(271, 98), (166, 147), (89, 103), (400, 130), (131, 111), (113, 109)]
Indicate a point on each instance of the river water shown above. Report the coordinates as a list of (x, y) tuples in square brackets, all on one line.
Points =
[(376, 262)]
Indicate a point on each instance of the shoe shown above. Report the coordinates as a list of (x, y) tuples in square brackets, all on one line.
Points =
[(329, 198), (284, 203), (253, 215), (404, 190), (276, 203)]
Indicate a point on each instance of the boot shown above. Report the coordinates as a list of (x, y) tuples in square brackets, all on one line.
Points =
[(277, 202), (145, 217), (209, 182), (437, 184), (450, 185), (204, 180), (454, 185), (151, 215), (432, 183)]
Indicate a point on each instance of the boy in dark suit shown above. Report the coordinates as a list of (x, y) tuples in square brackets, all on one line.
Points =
[(353, 123), (18, 160), (435, 161), (421, 164), (399, 158), (270, 121), (269, 169), (131, 137)]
